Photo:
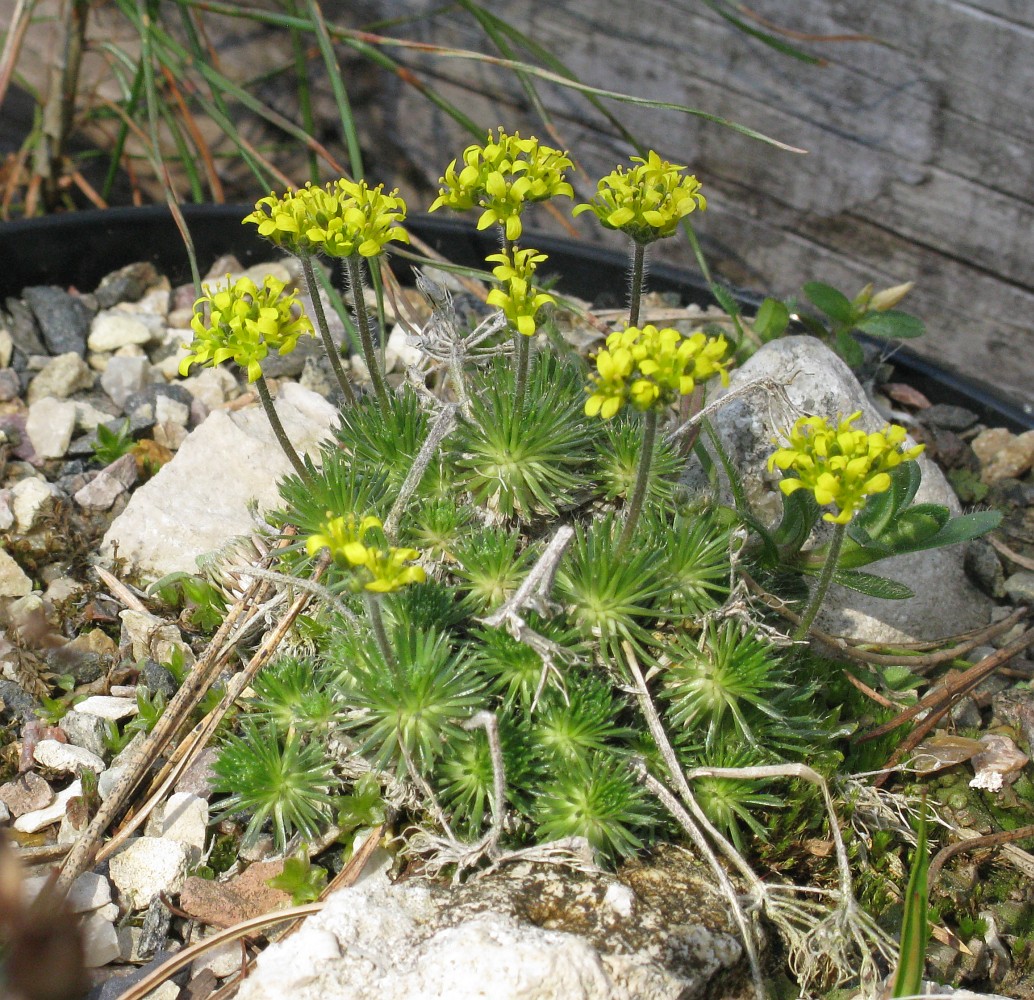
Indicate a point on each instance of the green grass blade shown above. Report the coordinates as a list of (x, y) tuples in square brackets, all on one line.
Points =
[(772, 41), (344, 106)]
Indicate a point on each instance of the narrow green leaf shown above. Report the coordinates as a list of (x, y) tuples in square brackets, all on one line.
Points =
[(915, 923), (892, 324), (836, 305), (872, 585)]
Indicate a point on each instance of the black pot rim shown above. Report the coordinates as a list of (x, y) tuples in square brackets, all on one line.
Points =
[(49, 250)]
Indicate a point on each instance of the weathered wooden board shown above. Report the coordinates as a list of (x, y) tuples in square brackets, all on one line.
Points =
[(920, 142)]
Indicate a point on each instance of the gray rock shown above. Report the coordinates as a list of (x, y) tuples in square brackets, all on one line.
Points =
[(157, 679), (125, 376), (1020, 587), (143, 404), (60, 377), (658, 933), (63, 319), (50, 425), (100, 493), (5, 813), (985, 568), (6, 343), (25, 335), (145, 867), (952, 418), (946, 603), (119, 981), (200, 498), (17, 702), (84, 730), (199, 775), (127, 284), (10, 385)]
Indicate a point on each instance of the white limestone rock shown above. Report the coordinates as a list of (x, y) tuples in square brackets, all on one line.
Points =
[(31, 500), (106, 707), (100, 941), (666, 935), (145, 867), (111, 330), (88, 892), (13, 581), (60, 377), (946, 603), (200, 498), (66, 758), (50, 426), (184, 818)]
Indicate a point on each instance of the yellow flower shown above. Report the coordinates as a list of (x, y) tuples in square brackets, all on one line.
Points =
[(519, 300), (646, 201), (388, 570), (344, 537), (651, 368), (341, 219), (840, 465), (500, 177), (243, 322)]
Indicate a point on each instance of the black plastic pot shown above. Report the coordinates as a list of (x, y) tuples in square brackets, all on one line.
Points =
[(78, 249)]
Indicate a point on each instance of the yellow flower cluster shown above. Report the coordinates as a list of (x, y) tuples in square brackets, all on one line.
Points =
[(244, 323), (840, 465), (500, 177), (341, 219), (647, 201), (519, 300), (388, 569), (651, 368)]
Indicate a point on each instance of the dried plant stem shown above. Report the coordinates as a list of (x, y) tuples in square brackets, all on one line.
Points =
[(199, 737), (278, 430), (321, 321), (440, 429), (193, 689)]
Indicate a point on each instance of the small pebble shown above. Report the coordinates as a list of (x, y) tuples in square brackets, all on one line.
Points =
[(1020, 587), (66, 758), (106, 707), (112, 330), (40, 819)]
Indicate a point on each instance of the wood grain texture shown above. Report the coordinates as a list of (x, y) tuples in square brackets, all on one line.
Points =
[(920, 144)]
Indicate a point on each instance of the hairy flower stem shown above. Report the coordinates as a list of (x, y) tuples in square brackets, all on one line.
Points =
[(636, 293), (642, 480), (321, 321), (521, 384), (279, 432), (353, 268), (373, 608), (823, 582)]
